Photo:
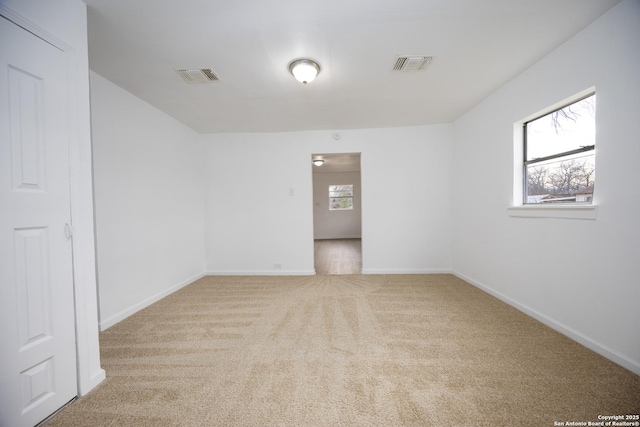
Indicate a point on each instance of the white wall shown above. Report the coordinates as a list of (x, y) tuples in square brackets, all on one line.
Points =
[(580, 276), (336, 224), (64, 24), (253, 223), (149, 202)]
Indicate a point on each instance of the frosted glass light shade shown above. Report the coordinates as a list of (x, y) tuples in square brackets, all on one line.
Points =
[(304, 70)]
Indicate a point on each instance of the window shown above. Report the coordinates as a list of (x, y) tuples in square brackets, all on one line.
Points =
[(340, 197), (559, 155)]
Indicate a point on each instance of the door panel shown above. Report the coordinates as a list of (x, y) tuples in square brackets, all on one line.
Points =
[(37, 330)]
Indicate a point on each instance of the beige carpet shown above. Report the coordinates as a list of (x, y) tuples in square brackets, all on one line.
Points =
[(414, 350)]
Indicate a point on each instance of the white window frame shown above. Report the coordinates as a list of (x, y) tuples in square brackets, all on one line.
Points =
[(518, 208)]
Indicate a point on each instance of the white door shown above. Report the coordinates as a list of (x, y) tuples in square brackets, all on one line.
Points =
[(37, 331)]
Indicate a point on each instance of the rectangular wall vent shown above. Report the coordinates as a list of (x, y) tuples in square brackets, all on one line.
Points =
[(412, 63), (197, 75)]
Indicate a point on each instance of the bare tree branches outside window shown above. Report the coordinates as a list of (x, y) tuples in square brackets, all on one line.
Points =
[(570, 114), (560, 154)]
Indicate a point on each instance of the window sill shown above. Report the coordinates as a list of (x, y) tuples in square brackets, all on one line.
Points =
[(587, 212)]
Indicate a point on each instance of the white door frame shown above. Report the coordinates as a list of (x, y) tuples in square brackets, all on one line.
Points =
[(24, 14), (325, 155)]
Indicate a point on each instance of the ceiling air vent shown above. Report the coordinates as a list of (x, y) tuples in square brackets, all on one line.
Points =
[(197, 75), (412, 63)]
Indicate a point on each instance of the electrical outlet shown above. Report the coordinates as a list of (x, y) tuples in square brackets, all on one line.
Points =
[(277, 266)]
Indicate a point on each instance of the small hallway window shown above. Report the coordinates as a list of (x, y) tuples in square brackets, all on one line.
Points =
[(340, 197)]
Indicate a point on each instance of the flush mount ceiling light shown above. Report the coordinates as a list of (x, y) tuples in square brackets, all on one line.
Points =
[(318, 162), (304, 70)]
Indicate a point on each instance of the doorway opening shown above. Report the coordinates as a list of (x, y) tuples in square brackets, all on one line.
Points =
[(337, 213)]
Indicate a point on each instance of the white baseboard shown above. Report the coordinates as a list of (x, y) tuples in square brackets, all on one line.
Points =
[(406, 271), (260, 273), (602, 350), (107, 323), (96, 379)]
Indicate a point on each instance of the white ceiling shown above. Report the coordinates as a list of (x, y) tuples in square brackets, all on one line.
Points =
[(349, 162), (478, 45)]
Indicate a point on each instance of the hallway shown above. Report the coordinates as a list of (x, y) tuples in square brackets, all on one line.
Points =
[(338, 256)]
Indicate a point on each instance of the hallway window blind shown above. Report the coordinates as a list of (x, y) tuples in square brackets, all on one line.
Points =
[(340, 197)]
